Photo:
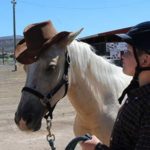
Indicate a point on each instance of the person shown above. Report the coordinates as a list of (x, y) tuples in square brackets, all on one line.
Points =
[(131, 130)]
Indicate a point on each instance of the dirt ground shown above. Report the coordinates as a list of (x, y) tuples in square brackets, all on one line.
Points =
[(11, 138)]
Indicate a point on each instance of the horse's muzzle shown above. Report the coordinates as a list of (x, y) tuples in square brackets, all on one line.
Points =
[(27, 124)]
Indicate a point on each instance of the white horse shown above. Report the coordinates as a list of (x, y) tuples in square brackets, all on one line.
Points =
[(94, 87)]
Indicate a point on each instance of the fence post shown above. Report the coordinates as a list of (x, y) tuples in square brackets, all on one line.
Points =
[(3, 55)]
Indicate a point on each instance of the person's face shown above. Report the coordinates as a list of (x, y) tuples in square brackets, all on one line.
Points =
[(129, 62)]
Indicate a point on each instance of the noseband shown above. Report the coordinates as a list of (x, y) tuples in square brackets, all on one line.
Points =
[(45, 99)]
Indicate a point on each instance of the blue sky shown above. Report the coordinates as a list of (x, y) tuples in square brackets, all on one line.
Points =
[(95, 16)]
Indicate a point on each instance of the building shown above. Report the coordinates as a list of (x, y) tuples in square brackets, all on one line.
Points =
[(106, 45)]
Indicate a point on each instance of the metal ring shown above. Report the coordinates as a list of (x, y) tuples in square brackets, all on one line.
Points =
[(51, 137)]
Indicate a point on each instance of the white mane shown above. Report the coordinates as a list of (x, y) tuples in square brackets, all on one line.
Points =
[(96, 70)]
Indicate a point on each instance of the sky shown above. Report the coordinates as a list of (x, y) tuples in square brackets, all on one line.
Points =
[(95, 16)]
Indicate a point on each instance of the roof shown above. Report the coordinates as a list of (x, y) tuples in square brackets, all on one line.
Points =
[(105, 36)]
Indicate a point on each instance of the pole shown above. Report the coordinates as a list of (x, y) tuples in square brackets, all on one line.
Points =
[(14, 30)]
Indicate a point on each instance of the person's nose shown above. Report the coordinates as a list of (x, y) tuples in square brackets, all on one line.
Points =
[(122, 56)]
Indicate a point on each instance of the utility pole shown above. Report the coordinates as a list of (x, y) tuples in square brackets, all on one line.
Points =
[(14, 29)]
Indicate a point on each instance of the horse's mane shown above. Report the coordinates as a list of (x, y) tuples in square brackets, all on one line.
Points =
[(98, 71)]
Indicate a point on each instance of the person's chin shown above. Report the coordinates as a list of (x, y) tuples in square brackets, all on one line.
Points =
[(127, 72)]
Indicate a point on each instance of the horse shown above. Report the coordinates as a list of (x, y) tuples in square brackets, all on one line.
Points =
[(91, 82)]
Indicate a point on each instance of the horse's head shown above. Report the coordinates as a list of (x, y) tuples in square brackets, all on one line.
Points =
[(45, 83)]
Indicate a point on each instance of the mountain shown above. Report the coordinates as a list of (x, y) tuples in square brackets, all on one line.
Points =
[(7, 43)]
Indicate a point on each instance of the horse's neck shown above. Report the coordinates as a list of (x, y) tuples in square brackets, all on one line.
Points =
[(94, 71), (91, 77)]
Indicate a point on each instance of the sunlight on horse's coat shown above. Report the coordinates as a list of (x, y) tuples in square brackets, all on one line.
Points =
[(94, 86)]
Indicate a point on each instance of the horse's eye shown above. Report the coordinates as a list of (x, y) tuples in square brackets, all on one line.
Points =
[(51, 68)]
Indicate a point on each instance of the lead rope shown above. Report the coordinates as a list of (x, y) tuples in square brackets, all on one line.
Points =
[(73, 143), (50, 137)]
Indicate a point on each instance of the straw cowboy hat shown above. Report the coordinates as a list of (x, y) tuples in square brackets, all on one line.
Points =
[(36, 38)]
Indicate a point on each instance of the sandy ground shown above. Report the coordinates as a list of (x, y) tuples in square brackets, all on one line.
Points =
[(11, 138)]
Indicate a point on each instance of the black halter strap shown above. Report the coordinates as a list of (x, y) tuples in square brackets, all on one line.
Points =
[(34, 92), (45, 99)]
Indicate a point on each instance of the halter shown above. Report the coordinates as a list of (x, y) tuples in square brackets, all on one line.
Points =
[(45, 99)]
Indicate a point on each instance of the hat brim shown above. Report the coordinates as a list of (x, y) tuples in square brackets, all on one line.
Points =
[(27, 56), (123, 38), (23, 55)]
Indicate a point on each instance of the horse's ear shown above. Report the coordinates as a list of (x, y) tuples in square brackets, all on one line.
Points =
[(73, 35), (65, 38)]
